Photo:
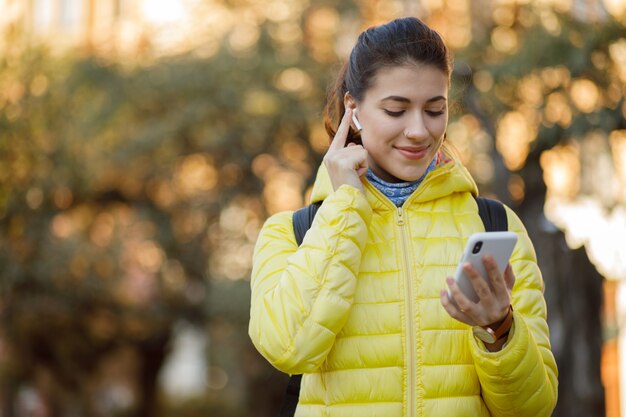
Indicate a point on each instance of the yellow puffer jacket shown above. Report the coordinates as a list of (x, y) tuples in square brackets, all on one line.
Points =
[(356, 308)]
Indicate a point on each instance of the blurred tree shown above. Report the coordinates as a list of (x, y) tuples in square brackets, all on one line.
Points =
[(123, 189)]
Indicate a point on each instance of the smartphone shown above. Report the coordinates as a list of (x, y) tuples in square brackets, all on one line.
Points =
[(498, 244)]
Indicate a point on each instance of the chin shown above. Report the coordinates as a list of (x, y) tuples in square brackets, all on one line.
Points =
[(403, 174), (409, 176)]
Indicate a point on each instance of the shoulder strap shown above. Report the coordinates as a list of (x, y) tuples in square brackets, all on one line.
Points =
[(288, 409), (493, 214), (302, 221)]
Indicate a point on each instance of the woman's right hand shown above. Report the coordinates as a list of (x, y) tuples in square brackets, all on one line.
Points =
[(345, 164)]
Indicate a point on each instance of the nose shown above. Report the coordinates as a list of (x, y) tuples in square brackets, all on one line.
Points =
[(416, 128)]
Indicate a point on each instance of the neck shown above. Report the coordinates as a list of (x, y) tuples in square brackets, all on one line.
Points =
[(398, 192)]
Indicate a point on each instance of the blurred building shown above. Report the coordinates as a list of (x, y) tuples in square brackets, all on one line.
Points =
[(113, 27)]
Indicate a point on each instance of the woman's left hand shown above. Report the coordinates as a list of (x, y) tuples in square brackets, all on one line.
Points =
[(494, 293)]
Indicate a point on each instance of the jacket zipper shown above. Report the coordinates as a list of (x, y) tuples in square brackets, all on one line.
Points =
[(410, 331)]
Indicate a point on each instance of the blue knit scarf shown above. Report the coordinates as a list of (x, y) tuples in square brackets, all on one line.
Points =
[(398, 192)]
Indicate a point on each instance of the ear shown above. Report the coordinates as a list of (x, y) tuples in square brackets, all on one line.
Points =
[(348, 101)]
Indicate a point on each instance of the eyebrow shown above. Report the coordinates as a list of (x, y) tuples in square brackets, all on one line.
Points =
[(406, 100)]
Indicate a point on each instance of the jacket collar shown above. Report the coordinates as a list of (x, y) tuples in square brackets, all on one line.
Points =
[(448, 177)]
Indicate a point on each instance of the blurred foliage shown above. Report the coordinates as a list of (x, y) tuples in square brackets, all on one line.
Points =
[(125, 188), (572, 62), (131, 192), (536, 80)]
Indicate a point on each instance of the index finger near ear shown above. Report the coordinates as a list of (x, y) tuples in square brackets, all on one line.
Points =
[(341, 136)]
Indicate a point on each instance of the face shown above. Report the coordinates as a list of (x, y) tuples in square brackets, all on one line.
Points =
[(404, 115)]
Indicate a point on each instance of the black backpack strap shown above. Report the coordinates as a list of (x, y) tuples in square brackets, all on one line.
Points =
[(288, 409), (302, 221), (493, 214)]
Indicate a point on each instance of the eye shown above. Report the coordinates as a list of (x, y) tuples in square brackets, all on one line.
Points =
[(394, 113), (435, 113)]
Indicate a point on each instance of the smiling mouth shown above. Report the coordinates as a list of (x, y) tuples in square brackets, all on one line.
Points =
[(413, 153)]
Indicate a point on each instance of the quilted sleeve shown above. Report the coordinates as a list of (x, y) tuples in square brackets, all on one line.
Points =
[(521, 379), (301, 297)]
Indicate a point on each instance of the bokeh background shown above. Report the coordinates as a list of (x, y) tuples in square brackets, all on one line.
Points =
[(144, 142)]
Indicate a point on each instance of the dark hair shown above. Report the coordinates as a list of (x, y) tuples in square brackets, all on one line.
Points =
[(399, 42)]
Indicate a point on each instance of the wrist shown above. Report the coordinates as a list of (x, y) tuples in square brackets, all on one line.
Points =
[(491, 335), (496, 325)]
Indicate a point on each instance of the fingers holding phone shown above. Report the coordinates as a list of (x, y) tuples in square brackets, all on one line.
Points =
[(480, 293), (345, 163)]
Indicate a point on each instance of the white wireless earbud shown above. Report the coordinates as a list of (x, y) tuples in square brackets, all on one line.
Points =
[(356, 122)]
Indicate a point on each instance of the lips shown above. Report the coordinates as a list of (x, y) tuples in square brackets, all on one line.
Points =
[(413, 152)]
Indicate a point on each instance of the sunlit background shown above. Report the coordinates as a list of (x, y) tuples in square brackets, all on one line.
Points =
[(144, 142)]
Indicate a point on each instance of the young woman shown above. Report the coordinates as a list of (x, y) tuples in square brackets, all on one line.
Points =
[(361, 308)]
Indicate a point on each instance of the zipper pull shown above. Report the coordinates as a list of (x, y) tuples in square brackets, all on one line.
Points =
[(400, 217)]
